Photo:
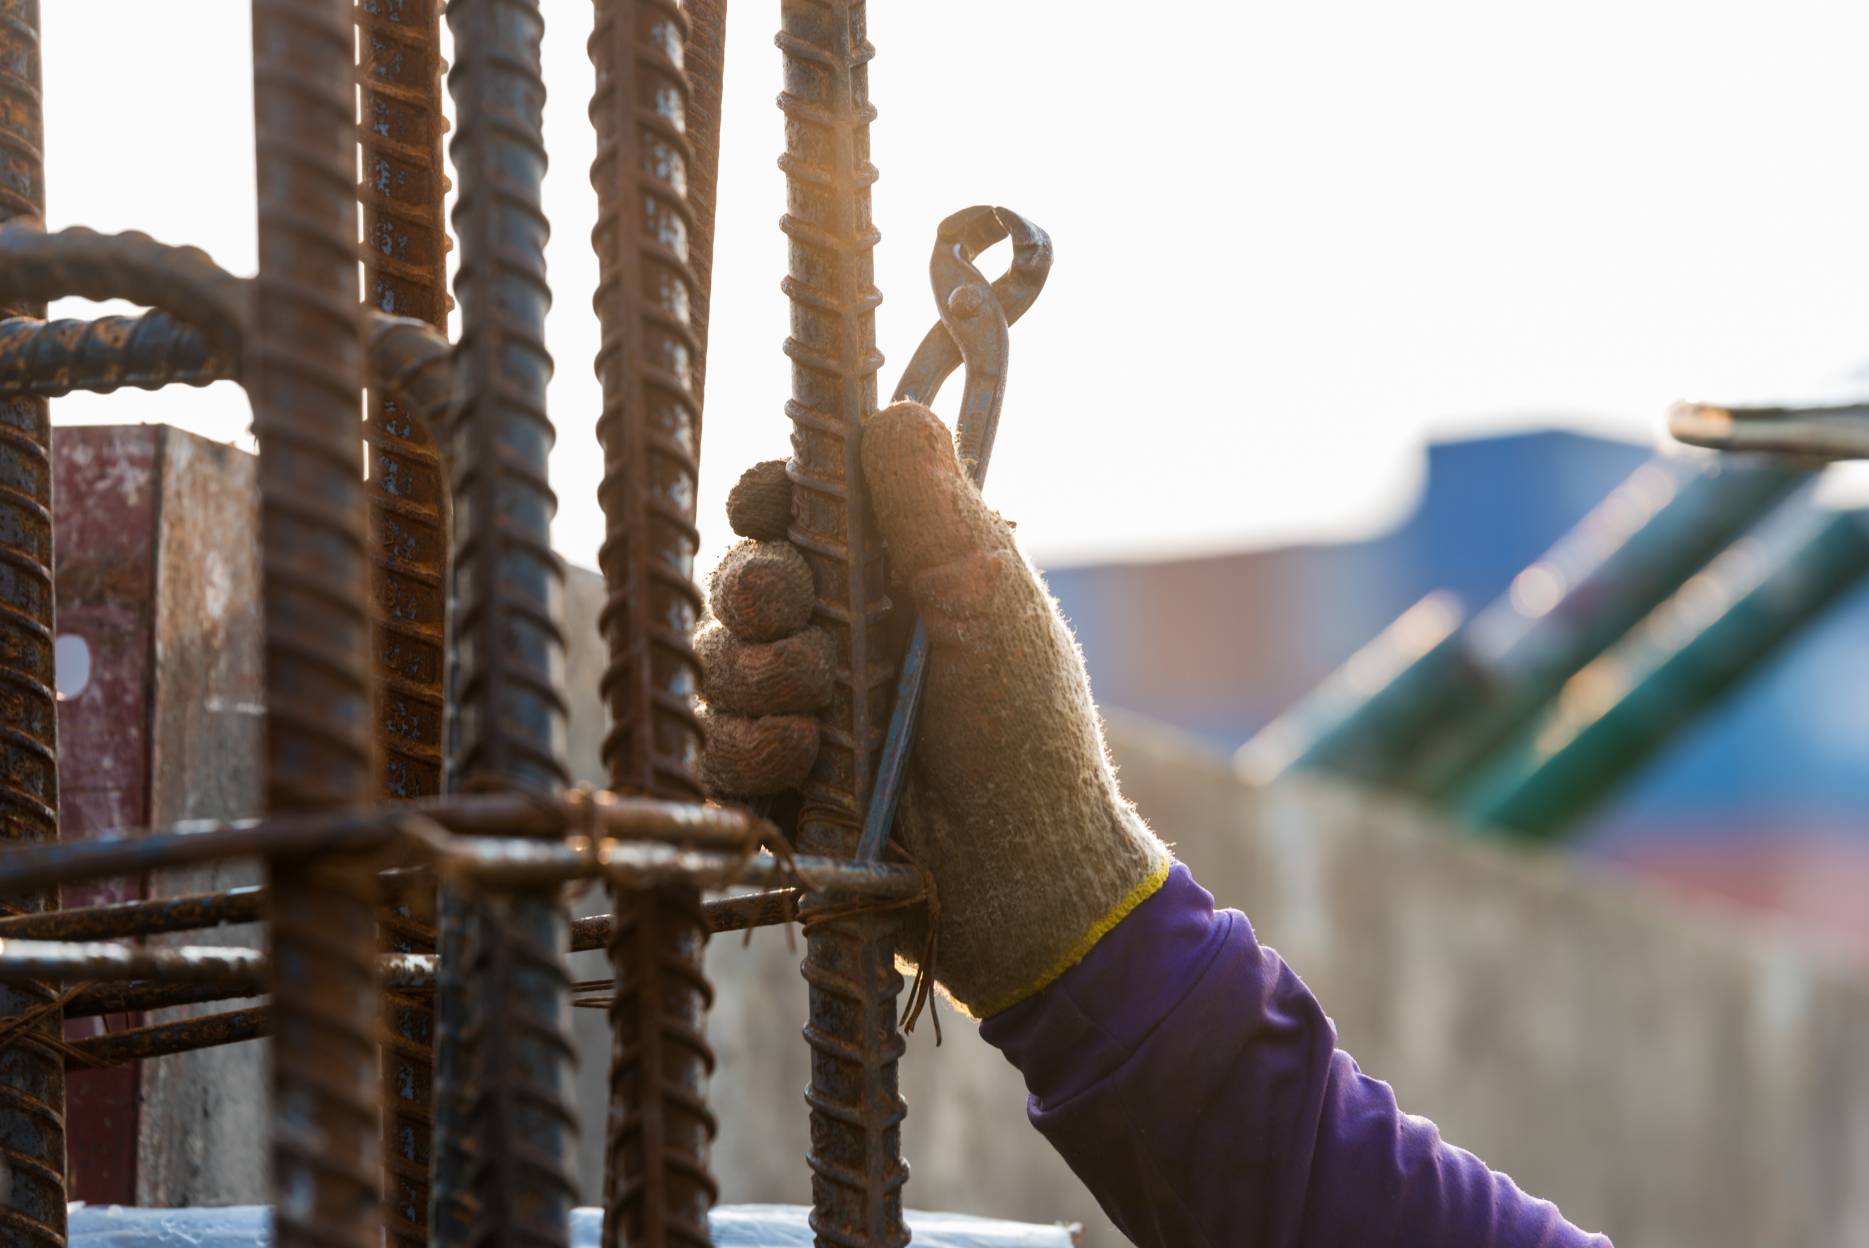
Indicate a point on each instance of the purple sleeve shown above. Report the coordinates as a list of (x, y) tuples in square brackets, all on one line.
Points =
[(1193, 1083)]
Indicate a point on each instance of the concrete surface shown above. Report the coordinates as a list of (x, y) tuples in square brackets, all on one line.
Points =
[(1672, 1076), (1677, 1077)]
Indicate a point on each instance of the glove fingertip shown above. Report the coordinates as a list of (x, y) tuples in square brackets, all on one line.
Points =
[(929, 512), (762, 591), (760, 504), (747, 757)]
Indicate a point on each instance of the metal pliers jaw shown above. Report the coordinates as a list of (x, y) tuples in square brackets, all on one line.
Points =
[(975, 315)]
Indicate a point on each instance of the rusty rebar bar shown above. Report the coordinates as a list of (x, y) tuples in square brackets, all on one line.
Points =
[(516, 1072), (135, 996), (36, 267), (119, 920), (723, 914), (162, 1039), (403, 190), (67, 959), (608, 827), (707, 63), (657, 1187), (305, 371), (856, 1110), (48, 359), (32, 1076)]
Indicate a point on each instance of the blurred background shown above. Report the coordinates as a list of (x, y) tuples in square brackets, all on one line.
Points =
[(1339, 435)]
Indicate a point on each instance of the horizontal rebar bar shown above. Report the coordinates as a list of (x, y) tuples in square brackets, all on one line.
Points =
[(207, 1032)]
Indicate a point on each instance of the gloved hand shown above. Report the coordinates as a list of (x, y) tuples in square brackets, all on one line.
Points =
[(1010, 801)]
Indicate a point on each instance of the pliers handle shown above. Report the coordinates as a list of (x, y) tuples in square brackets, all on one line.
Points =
[(975, 315)]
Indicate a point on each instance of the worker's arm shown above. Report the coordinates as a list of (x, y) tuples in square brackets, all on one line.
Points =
[(1181, 1068), (1194, 1084)]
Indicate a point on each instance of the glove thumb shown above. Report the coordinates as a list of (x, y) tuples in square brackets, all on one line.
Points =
[(929, 512)]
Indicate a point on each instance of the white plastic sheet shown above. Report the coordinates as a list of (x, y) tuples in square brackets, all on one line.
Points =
[(733, 1226)]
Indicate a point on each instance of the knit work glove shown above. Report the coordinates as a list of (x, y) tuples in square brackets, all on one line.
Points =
[(1010, 801)]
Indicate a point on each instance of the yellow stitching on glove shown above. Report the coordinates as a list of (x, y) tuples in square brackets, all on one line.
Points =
[(1144, 890)]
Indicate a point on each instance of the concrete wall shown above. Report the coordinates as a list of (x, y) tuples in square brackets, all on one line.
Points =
[(1670, 1076), (1677, 1078)]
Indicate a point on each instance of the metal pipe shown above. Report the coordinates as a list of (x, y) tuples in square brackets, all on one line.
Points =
[(32, 1079), (405, 273), (1626, 557), (1367, 717), (1840, 432), (1615, 715), (856, 1110), (657, 1188), (305, 366), (1426, 702)]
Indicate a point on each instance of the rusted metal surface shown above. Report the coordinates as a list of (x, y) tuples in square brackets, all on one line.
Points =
[(76, 262), (706, 60), (516, 1076), (140, 918), (723, 914), (405, 274), (162, 1039), (856, 1111), (102, 1000), (657, 1187), (48, 359), (32, 1082), (106, 487), (305, 377), (60, 959)]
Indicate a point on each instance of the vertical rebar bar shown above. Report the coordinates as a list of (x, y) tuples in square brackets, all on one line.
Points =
[(707, 65), (405, 274), (32, 1073), (657, 1188), (305, 366), (509, 587), (856, 1111)]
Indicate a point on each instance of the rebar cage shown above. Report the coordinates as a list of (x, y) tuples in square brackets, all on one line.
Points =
[(419, 826)]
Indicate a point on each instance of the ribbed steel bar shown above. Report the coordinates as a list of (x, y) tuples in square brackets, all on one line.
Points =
[(657, 1187), (47, 359), (140, 918), (161, 1039), (707, 64), (856, 1110), (405, 273), (305, 376), (184, 281), (136, 996), (32, 1076), (515, 1069)]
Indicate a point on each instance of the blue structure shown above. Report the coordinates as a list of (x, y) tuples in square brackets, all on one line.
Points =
[(1218, 646)]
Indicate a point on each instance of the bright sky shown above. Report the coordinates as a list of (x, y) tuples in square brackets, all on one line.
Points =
[(1295, 242)]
